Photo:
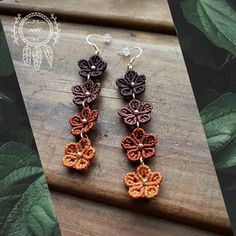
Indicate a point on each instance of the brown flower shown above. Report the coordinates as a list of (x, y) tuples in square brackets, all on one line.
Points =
[(136, 112), (143, 183), (131, 83), (86, 93), (94, 67), (139, 144), (78, 155), (83, 123)]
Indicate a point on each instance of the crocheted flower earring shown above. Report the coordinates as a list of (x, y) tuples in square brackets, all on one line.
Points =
[(79, 155), (139, 145)]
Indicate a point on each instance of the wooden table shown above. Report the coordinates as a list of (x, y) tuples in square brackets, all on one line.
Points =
[(190, 200)]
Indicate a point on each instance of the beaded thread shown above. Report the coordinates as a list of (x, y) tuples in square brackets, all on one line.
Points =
[(139, 145), (79, 155)]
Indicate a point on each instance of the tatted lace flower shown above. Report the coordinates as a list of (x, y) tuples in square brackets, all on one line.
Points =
[(139, 144), (86, 93), (131, 83), (143, 183), (83, 123), (136, 112), (78, 155), (94, 67)]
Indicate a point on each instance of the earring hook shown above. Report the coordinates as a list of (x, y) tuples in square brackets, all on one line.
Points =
[(107, 39), (126, 52)]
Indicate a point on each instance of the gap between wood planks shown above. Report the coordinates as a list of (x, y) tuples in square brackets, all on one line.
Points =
[(162, 25)]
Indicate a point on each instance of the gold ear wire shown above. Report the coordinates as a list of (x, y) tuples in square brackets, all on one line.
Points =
[(107, 39), (126, 52)]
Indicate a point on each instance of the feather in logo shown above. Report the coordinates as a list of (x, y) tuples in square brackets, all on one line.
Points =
[(39, 34)]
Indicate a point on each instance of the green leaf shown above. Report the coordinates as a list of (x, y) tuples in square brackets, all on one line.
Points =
[(214, 18), (219, 121), (26, 207), (6, 67)]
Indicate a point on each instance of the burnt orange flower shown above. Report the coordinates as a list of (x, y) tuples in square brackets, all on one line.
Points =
[(139, 145), (143, 183), (83, 123), (78, 155)]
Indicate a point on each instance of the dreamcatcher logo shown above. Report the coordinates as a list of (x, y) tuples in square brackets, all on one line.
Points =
[(38, 40)]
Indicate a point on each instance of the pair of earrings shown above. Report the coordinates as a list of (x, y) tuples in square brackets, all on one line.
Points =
[(139, 145)]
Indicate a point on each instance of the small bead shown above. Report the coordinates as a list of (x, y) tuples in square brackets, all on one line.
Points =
[(84, 121), (93, 67), (140, 145), (79, 154), (132, 84), (87, 93), (136, 112)]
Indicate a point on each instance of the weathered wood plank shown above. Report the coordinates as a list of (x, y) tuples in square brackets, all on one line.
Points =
[(149, 15), (190, 192), (78, 216)]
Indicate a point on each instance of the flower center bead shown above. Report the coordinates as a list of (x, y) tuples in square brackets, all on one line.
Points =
[(87, 93), (144, 181), (79, 154), (140, 145), (132, 84), (93, 67), (84, 121), (136, 112)]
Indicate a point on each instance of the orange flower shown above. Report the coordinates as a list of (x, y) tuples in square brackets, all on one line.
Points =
[(143, 183), (139, 144), (78, 155), (83, 123)]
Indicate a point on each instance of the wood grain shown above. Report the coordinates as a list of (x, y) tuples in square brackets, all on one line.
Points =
[(78, 216), (190, 192), (148, 15)]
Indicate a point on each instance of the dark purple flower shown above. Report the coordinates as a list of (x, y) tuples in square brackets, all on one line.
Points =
[(135, 112), (86, 93), (131, 83), (94, 67)]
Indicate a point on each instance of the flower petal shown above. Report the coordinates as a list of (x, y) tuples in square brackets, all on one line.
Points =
[(130, 120), (143, 118), (150, 140), (71, 148), (77, 90), (122, 83), (135, 104), (134, 154), (138, 135), (146, 108), (75, 121), (83, 64), (79, 100), (129, 143), (139, 88), (136, 191), (93, 115), (70, 160), (82, 165), (95, 73), (83, 145), (131, 179), (89, 154), (150, 191), (125, 111), (126, 92), (148, 152), (143, 172), (84, 114), (154, 178)]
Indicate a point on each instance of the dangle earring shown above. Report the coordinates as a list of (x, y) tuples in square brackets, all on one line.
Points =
[(139, 145), (78, 155)]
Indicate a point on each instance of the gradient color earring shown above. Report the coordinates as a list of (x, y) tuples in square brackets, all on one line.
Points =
[(139, 145), (78, 155)]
